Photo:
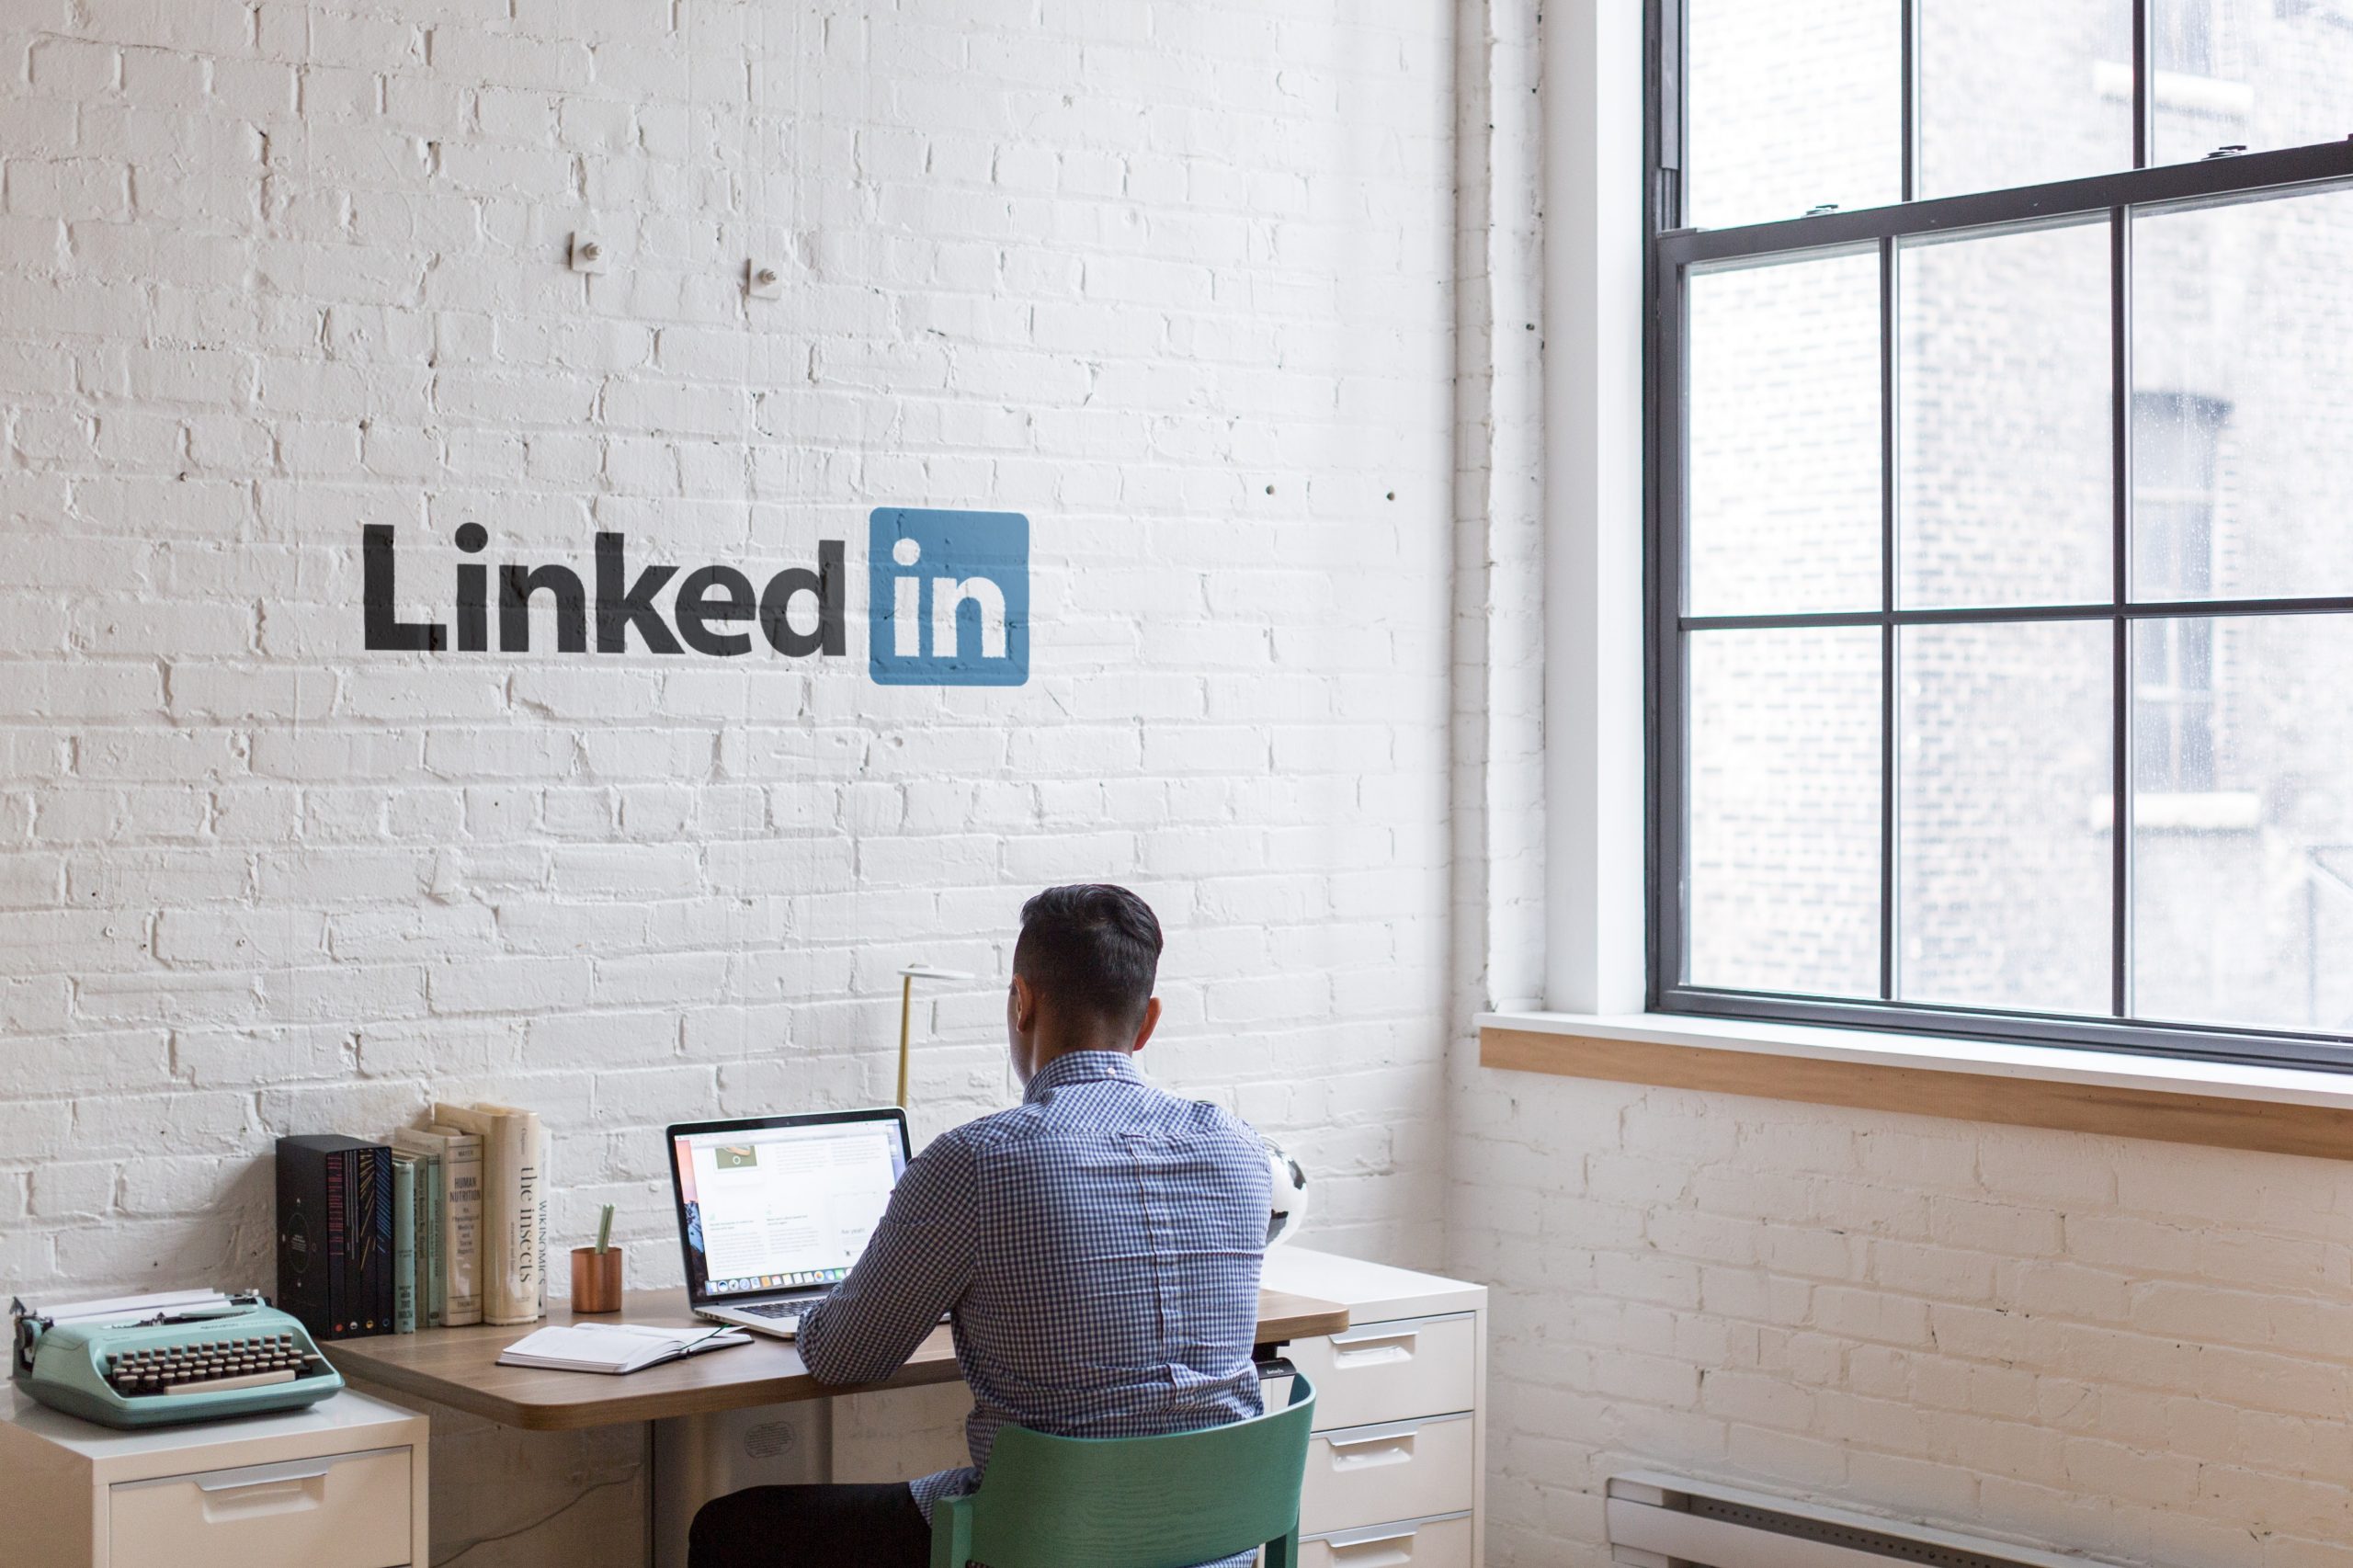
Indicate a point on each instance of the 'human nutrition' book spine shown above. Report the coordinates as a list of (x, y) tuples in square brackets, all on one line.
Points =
[(462, 1228)]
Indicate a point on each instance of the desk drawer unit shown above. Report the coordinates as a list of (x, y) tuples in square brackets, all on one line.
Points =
[(335, 1511), (1398, 1469), (1416, 1544), (1393, 1466), (1392, 1371)]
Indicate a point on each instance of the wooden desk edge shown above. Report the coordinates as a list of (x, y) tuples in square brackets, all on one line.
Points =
[(1283, 1316), (576, 1415)]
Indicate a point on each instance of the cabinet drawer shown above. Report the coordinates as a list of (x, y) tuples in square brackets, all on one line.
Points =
[(1400, 1469), (1392, 1371), (1419, 1543), (336, 1511)]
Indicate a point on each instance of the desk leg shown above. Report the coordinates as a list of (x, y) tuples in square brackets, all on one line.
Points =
[(698, 1458)]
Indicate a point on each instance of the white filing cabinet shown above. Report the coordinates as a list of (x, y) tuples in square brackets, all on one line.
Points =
[(1396, 1470), (338, 1486)]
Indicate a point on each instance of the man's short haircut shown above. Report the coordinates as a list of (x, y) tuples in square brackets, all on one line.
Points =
[(1092, 948)]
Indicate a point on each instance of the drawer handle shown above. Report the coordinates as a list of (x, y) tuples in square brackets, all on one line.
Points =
[(261, 1476), (1374, 1349), (1382, 1447), (1391, 1551)]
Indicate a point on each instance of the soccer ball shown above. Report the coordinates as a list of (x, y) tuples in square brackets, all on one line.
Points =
[(1290, 1193)]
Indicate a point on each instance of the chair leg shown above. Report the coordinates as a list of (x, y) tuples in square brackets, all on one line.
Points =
[(951, 1532), (1283, 1550)]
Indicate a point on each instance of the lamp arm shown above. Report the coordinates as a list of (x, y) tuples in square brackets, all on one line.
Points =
[(907, 1009)]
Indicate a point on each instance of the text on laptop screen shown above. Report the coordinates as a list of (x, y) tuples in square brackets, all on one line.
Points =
[(777, 1206)]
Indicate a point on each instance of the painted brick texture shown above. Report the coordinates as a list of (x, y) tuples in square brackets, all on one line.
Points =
[(2131, 1349), (1172, 278)]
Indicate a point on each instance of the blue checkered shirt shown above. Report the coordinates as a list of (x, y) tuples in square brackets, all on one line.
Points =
[(1098, 1246)]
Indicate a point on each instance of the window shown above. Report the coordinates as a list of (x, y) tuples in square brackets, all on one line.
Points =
[(2175, 436), (2000, 458)]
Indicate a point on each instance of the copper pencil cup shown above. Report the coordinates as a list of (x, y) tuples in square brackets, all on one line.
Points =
[(595, 1279)]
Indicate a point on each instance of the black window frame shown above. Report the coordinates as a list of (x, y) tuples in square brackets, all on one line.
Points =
[(1673, 250)]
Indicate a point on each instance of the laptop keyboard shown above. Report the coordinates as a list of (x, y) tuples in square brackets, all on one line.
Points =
[(773, 1309)]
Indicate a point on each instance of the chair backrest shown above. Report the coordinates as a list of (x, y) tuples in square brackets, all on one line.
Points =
[(1141, 1501)]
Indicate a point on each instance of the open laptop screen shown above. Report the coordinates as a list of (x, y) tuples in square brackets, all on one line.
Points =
[(783, 1205)]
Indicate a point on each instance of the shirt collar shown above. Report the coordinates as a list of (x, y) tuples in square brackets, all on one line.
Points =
[(1082, 1067)]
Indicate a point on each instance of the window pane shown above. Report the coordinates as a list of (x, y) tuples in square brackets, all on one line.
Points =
[(2242, 865), (2243, 409), (2002, 855), (1784, 475), (2017, 92), (2005, 410), (2256, 72), (1792, 106), (1783, 801)]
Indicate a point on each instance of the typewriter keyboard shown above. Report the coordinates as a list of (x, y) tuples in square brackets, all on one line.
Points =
[(201, 1368)]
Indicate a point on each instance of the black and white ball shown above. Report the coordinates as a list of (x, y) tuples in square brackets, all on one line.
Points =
[(1290, 1193)]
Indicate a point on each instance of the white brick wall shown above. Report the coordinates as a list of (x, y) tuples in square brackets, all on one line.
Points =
[(1199, 288), (1173, 279), (2133, 1349)]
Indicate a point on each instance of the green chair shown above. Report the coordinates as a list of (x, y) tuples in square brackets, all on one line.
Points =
[(1134, 1502)]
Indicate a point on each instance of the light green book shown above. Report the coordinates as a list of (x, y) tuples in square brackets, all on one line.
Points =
[(460, 1192), (405, 1244)]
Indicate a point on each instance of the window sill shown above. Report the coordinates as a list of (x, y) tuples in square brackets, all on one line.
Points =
[(2224, 1105)]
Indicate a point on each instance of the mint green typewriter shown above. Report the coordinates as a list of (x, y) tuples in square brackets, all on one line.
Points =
[(160, 1360)]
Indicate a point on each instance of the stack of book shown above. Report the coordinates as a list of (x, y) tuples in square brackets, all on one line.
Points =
[(510, 1276), (441, 1226), (336, 1236)]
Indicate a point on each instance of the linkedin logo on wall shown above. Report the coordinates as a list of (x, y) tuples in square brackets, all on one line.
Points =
[(948, 598), (948, 601)]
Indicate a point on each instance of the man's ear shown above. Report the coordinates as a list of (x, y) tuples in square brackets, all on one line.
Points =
[(1150, 1022), (1024, 1007)]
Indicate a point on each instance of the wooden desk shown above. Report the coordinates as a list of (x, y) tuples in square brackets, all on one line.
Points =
[(458, 1367), (714, 1422)]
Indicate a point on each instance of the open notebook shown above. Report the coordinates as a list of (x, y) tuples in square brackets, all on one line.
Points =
[(613, 1347)]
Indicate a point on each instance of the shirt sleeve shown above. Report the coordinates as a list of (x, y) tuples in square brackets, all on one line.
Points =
[(917, 1266)]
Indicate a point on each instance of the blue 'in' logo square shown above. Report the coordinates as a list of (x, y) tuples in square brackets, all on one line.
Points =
[(948, 598)]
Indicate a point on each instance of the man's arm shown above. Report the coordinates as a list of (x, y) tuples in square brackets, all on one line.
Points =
[(917, 1266)]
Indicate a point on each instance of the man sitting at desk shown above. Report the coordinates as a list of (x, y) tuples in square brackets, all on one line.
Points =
[(1096, 1247)]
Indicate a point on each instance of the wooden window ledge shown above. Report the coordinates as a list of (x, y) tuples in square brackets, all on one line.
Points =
[(2225, 1105)]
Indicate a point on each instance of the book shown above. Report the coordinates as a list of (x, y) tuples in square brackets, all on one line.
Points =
[(459, 1202), (405, 1175), (614, 1347), (432, 1281), (514, 1213), (534, 1178), (367, 1304), (334, 1234)]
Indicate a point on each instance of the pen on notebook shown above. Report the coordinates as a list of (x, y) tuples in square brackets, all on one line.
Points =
[(688, 1348)]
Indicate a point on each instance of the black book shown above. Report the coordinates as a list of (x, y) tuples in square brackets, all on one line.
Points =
[(334, 1234), (367, 1306)]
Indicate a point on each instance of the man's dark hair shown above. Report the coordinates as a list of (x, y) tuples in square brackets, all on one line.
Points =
[(1092, 947)]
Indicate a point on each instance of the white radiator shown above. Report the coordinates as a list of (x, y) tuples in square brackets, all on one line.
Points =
[(1665, 1521)]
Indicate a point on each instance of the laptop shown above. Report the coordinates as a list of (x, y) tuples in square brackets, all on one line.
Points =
[(774, 1209)]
